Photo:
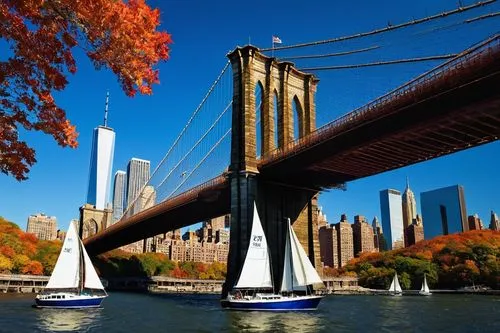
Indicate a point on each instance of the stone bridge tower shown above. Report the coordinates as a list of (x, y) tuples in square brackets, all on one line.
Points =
[(294, 92), (93, 220)]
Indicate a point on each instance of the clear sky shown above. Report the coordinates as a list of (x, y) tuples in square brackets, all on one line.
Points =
[(203, 33)]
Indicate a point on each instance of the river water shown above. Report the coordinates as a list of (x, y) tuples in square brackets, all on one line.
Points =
[(131, 312)]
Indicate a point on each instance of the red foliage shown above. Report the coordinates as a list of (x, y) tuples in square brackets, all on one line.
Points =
[(33, 267), (178, 273), (7, 251), (120, 35)]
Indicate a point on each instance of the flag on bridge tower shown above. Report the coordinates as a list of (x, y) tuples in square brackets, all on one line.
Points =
[(276, 40)]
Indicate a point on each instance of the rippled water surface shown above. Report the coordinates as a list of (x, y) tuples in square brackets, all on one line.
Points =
[(129, 312)]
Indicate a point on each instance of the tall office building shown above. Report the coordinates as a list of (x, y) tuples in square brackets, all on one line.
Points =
[(345, 245), (391, 209), (137, 177), (474, 222), (101, 163), (415, 232), (328, 246), (378, 235), (443, 211), (494, 222), (119, 194), (362, 234), (44, 227), (409, 206)]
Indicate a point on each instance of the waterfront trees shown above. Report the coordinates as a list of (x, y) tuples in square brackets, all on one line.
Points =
[(450, 262), (38, 39)]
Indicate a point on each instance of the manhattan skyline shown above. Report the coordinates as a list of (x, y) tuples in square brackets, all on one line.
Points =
[(145, 126)]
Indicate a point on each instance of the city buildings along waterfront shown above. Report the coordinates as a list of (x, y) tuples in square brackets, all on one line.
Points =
[(138, 171), (42, 226), (392, 218), (119, 191), (444, 211)]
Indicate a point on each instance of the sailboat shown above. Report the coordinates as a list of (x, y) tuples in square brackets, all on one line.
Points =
[(254, 289), (395, 288), (425, 288), (74, 282)]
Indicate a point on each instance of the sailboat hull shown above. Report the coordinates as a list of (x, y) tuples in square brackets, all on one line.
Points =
[(297, 303), (69, 302)]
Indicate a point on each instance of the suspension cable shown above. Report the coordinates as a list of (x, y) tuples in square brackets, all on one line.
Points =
[(193, 115), (389, 28), (129, 205), (195, 145), (199, 163), (332, 54), (379, 63)]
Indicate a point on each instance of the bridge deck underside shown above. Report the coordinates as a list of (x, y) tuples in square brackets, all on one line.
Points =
[(199, 204), (436, 118)]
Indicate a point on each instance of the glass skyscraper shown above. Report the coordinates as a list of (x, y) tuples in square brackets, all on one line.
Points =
[(101, 164), (137, 176), (391, 209), (119, 190), (443, 211)]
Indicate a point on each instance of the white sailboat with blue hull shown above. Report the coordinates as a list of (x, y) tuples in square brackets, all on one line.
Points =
[(254, 289), (74, 282)]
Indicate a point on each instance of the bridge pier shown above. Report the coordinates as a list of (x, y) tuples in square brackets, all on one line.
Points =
[(275, 202)]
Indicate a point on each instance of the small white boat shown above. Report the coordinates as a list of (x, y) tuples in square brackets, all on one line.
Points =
[(424, 291), (74, 282), (395, 288), (254, 288)]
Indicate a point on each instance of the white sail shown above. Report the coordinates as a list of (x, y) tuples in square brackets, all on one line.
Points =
[(91, 279), (66, 273), (398, 286), (395, 287), (256, 271), (303, 271), (425, 287), (288, 276)]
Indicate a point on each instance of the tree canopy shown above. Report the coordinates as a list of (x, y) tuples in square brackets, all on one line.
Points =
[(41, 35), (450, 262)]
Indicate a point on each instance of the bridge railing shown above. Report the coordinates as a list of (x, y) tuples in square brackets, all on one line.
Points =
[(449, 72)]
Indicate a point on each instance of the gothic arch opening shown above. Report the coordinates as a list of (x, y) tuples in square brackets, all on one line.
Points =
[(90, 228), (259, 124), (276, 122), (298, 119)]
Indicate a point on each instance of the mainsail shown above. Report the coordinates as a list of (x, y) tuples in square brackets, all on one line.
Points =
[(66, 273), (298, 271), (256, 271), (425, 287), (395, 287)]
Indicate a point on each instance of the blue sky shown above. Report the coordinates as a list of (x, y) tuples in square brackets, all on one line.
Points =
[(203, 33)]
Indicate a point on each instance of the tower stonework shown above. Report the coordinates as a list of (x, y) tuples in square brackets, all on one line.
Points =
[(93, 220), (282, 82)]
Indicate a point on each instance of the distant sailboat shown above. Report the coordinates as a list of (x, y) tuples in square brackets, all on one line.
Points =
[(74, 282), (253, 288), (425, 288), (395, 288)]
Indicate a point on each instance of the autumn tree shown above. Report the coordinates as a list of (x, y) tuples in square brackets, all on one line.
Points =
[(41, 36)]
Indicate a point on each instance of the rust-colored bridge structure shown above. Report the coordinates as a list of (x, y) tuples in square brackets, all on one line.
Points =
[(453, 107)]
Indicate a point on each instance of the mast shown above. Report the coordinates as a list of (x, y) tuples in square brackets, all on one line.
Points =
[(290, 249), (82, 268)]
